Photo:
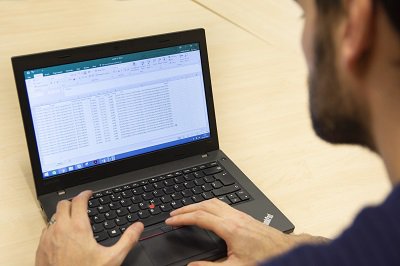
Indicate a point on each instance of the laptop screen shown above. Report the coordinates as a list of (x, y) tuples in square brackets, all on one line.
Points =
[(98, 111)]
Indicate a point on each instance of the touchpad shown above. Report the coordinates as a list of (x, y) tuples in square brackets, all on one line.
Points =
[(178, 245)]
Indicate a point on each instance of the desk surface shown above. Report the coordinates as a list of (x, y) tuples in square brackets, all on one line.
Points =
[(260, 94)]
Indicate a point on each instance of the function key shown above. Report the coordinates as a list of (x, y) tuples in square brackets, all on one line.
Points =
[(107, 192), (143, 182), (126, 187), (133, 185), (170, 175), (203, 166), (97, 195), (211, 164), (153, 180), (162, 177), (194, 169), (186, 171), (178, 173), (117, 189)]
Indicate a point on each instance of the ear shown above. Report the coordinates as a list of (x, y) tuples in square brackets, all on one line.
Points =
[(358, 32)]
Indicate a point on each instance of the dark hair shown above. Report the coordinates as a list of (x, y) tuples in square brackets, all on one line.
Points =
[(391, 7)]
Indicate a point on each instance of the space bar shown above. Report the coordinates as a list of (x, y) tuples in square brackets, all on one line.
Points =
[(155, 219)]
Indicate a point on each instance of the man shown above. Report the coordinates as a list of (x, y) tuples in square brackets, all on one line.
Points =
[(352, 49)]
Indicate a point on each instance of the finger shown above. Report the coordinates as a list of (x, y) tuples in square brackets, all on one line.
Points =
[(201, 219), (204, 263), (80, 204), (63, 212), (213, 206), (127, 241)]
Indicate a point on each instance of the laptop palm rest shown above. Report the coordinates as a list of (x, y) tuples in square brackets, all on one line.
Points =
[(174, 246)]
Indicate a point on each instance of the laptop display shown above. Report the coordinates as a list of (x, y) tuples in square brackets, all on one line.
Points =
[(95, 112)]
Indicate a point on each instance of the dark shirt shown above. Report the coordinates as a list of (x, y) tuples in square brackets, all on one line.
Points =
[(372, 239)]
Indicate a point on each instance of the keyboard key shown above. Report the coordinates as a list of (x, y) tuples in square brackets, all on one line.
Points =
[(155, 210), (98, 218), (197, 190), (92, 212), (178, 173), (116, 197), (143, 182), (207, 195), (148, 188), (101, 236), (93, 203), (103, 209), (176, 204), (156, 201), (211, 164), (126, 194), (166, 207), (137, 191), (234, 200), (207, 187), (209, 179), (212, 170), (189, 184), (154, 219), (225, 178), (114, 205), (126, 187), (133, 208), (97, 228), (168, 190), (147, 196), (136, 199), (217, 184), (153, 180), (132, 217), (122, 212), (158, 193), (186, 171), (169, 182), (109, 224), (114, 232), (105, 200), (224, 199), (110, 215), (198, 174), (187, 201), (125, 202), (187, 193), (176, 196), (197, 198), (121, 221), (199, 182), (97, 195), (170, 175), (166, 199), (158, 185), (243, 195), (189, 177), (179, 179), (143, 214), (117, 189), (179, 187), (226, 190)]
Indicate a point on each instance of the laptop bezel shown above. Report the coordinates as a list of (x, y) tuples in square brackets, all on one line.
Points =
[(83, 53)]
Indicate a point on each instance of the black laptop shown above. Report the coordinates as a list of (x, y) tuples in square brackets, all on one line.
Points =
[(134, 121)]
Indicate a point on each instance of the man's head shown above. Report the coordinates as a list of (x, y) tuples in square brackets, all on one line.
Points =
[(342, 41)]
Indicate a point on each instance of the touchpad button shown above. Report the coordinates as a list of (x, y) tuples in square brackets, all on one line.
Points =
[(178, 245)]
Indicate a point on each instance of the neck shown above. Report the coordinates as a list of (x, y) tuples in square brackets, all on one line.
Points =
[(384, 99)]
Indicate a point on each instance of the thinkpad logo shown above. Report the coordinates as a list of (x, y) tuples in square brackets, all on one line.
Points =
[(268, 219)]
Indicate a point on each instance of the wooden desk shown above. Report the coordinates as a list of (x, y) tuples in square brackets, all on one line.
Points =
[(260, 98)]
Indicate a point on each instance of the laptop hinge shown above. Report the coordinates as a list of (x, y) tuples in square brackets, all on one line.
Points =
[(204, 155), (61, 192)]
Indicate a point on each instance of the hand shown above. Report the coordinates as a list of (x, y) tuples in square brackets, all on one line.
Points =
[(70, 241), (248, 240)]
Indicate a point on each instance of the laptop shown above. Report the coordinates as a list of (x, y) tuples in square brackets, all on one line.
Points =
[(134, 121)]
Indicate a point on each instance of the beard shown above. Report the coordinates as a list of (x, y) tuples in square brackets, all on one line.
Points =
[(336, 115)]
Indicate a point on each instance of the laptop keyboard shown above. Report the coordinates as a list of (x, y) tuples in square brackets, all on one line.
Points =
[(150, 201)]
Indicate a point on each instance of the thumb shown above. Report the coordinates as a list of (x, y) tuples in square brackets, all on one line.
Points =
[(127, 241)]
